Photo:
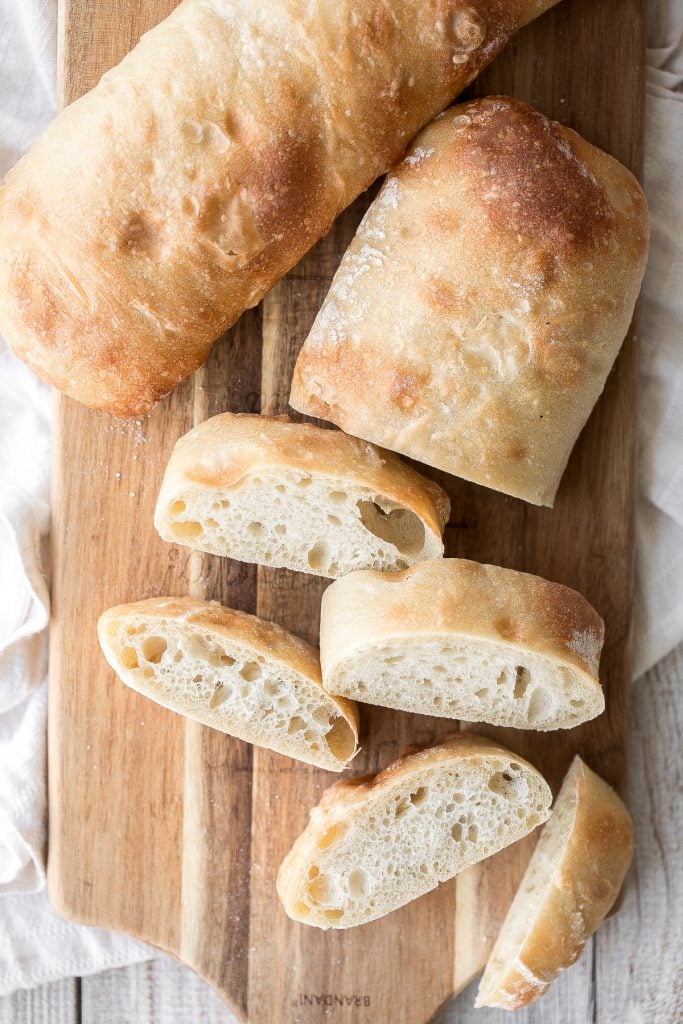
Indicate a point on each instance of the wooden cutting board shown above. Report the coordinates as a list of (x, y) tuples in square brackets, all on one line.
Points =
[(173, 832)]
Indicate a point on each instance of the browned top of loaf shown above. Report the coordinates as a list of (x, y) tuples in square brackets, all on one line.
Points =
[(484, 298), (158, 207), (459, 596)]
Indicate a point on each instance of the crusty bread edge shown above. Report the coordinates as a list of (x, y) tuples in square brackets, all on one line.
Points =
[(238, 448), (256, 634), (340, 799), (585, 886), (364, 608)]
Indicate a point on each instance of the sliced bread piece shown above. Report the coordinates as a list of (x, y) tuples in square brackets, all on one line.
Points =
[(263, 489), (572, 881), (374, 844), (232, 671), (462, 640)]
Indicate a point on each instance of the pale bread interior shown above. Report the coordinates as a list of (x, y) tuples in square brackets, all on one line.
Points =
[(297, 520), (227, 685), (542, 871), (467, 678), (411, 835)]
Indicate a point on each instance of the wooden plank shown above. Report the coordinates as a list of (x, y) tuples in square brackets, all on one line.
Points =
[(173, 832), (56, 1003)]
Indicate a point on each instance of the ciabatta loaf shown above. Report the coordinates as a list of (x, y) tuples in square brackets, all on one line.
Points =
[(232, 671), (483, 300), (572, 880), (459, 639), (264, 489), (162, 204), (373, 844)]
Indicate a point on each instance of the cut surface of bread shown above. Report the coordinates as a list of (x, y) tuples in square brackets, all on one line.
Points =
[(263, 489), (376, 843), (231, 671), (459, 639), (572, 881), (475, 316)]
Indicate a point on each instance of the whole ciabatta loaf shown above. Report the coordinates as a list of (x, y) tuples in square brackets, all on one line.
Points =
[(375, 843), (571, 883), (232, 671), (264, 489), (483, 300), (157, 208), (459, 639)]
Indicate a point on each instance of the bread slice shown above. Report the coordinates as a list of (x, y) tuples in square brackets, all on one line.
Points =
[(263, 489), (375, 843), (232, 671), (459, 639), (572, 880)]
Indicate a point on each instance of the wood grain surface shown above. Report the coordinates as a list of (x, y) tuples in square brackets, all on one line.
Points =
[(174, 833)]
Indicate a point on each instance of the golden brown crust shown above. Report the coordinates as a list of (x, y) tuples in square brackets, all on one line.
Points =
[(223, 450), (261, 636), (347, 801), (453, 595), (585, 884), (208, 162), (484, 297)]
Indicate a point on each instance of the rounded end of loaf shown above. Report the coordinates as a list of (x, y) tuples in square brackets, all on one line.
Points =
[(571, 883)]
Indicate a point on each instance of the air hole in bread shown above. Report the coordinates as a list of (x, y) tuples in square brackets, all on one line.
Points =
[(301, 909), (456, 832), (250, 671), (176, 507), (576, 703), (359, 884), (129, 658), (280, 530), (472, 833), (304, 481), (340, 740), (317, 556), (540, 706), (338, 497), (220, 695), (153, 649), (334, 520), (333, 915), (333, 833), (333, 569), (418, 796), (481, 693), (255, 529), (323, 889), (296, 724), (522, 680), (187, 530), (502, 678), (212, 523), (280, 488), (501, 783), (398, 526)]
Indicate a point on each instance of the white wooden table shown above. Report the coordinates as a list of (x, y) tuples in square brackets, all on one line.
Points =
[(631, 973)]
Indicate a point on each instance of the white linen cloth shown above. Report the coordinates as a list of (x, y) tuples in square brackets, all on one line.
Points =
[(35, 944)]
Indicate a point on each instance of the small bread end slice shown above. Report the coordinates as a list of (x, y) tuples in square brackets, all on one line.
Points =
[(573, 879), (376, 843), (233, 672)]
